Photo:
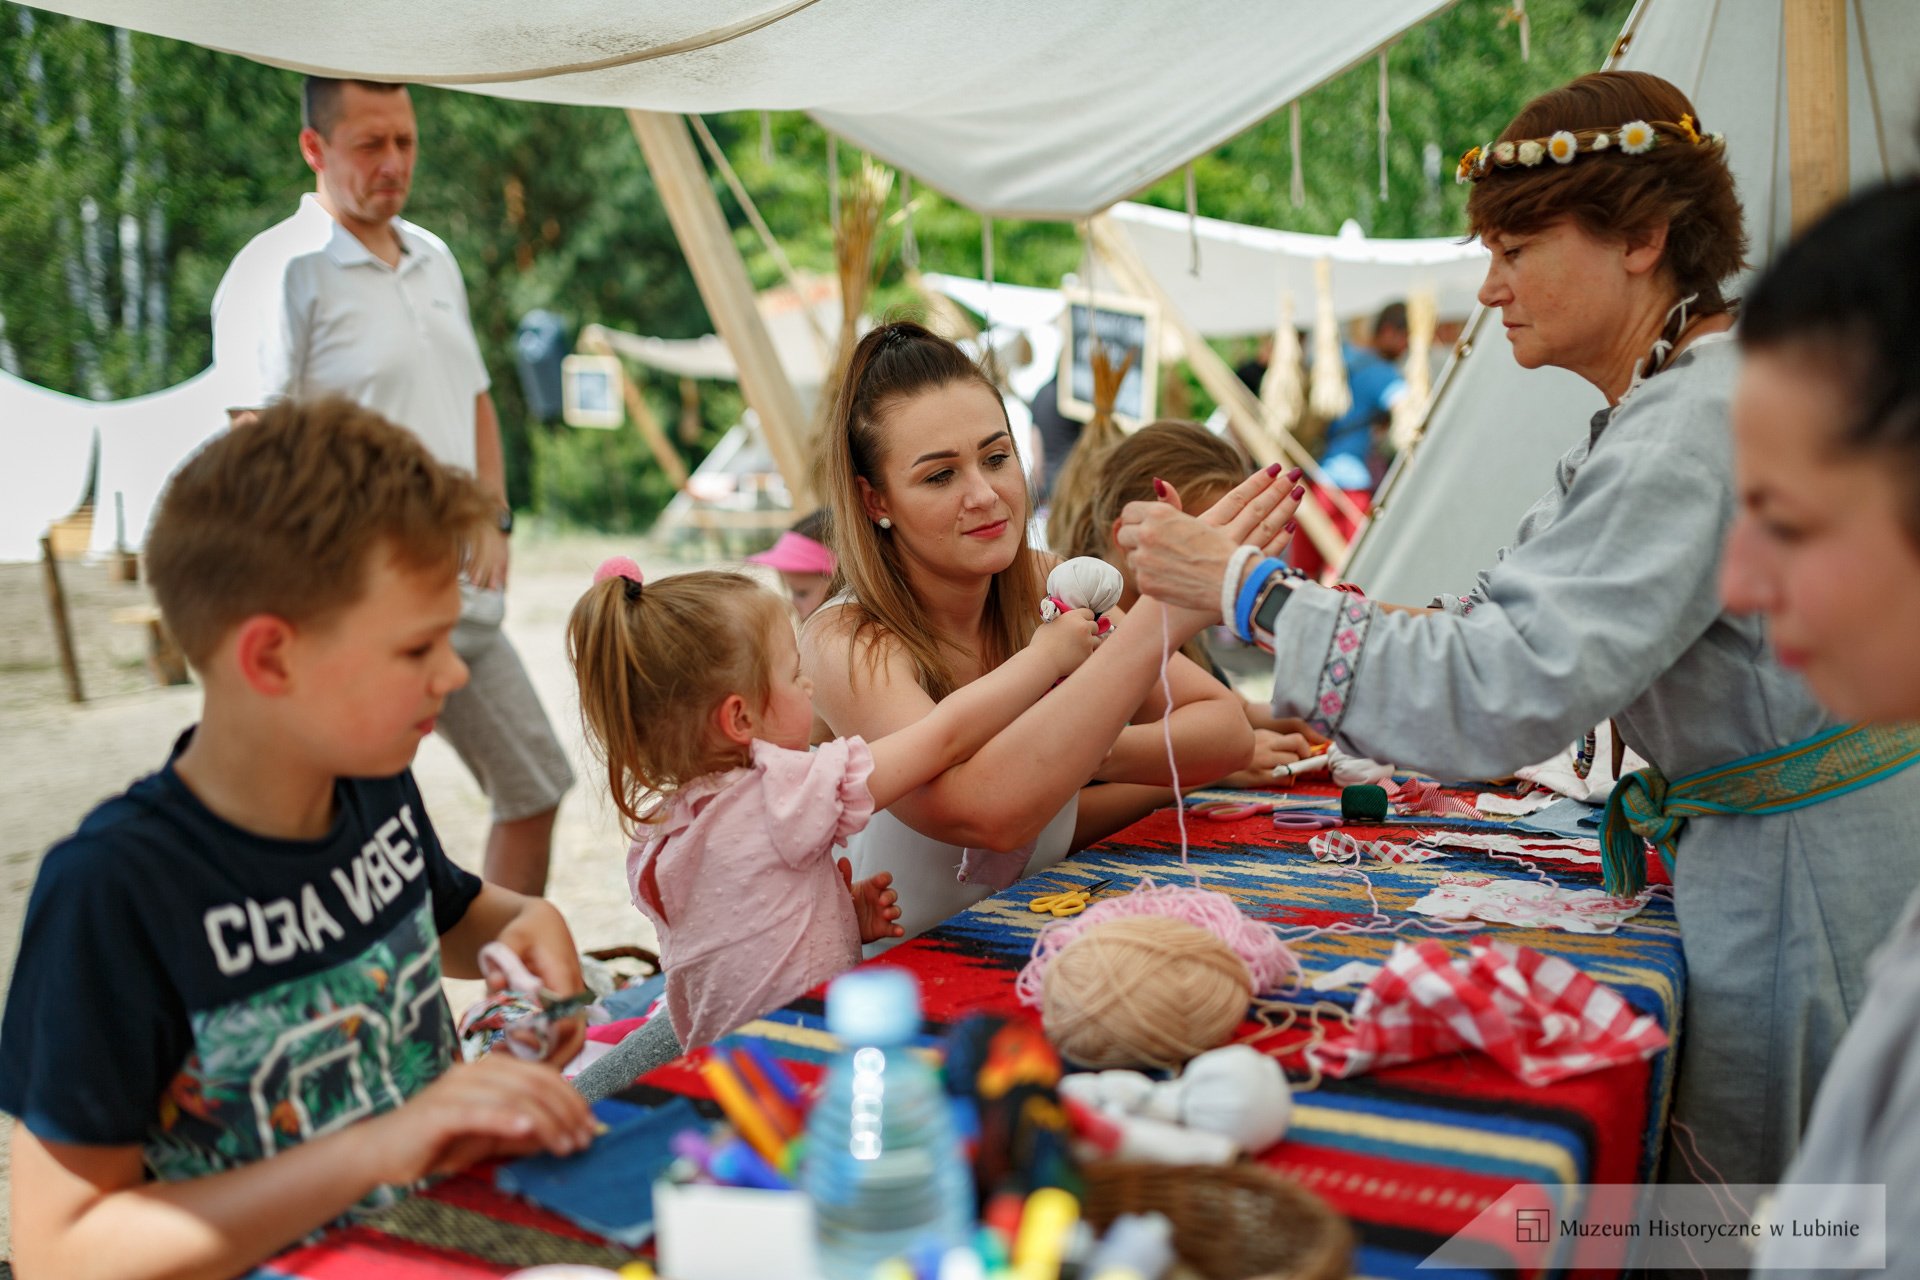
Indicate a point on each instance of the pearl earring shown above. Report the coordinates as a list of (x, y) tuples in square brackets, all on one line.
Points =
[(885, 523)]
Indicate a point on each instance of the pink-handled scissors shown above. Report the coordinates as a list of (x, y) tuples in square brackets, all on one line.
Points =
[(1234, 810), (1305, 821)]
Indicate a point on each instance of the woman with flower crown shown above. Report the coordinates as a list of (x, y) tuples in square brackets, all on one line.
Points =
[(1612, 222)]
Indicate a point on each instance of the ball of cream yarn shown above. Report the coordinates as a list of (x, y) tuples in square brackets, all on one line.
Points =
[(1143, 991)]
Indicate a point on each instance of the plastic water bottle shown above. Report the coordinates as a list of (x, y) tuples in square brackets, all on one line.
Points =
[(883, 1166)]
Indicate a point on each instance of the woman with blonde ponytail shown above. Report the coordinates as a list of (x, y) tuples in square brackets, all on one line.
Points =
[(937, 587)]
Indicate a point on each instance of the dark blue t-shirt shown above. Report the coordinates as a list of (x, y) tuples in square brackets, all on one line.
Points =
[(217, 996)]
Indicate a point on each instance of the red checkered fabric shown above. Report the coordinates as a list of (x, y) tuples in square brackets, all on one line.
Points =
[(1417, 795), (1538, 1016)]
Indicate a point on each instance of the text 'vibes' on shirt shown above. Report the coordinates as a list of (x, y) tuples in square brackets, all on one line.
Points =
[(217, 996)]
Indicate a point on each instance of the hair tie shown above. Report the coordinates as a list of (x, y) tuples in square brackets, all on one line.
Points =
[(620, 567)]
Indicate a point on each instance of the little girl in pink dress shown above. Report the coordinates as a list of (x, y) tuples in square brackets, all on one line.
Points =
[(692, 694)]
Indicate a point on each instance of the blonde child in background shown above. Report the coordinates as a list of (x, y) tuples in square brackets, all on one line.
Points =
[(1198, 466), (692, 694)]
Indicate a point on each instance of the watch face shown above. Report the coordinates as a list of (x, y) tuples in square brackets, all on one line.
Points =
[(506, 520)]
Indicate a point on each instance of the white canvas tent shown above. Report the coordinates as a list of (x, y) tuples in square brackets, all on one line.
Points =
[(803, 345), (1014, 108), (1495, 430), (1244, 270), (47, 439)]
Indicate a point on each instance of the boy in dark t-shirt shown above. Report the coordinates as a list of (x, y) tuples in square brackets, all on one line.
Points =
[(240, 957)]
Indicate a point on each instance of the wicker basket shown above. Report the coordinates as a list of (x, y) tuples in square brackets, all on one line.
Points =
[(1230, 1222)]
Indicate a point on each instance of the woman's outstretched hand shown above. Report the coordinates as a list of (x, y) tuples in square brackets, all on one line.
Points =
[(1180, 559)]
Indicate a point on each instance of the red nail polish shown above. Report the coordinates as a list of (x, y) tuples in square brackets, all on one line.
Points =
[(1273, 470), (1290, 526), (1294, 474), (1160, 488), (1299, 492)]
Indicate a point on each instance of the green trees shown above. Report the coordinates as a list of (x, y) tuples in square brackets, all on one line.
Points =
[(132, 168)]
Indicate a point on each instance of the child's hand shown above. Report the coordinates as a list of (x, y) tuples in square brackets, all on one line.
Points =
[(498, 1106), (875, 904), (1270, 749), (540, 937), (1067, 641)]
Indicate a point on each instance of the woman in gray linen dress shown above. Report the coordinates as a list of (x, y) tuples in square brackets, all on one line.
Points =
[(1609, 264)]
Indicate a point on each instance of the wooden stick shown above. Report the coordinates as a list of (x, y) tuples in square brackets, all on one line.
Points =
[(1815, 33), (594, 338), (62, 630), (722, 279)]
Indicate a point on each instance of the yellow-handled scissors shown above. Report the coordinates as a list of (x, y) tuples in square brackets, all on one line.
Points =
[(1069, 903)]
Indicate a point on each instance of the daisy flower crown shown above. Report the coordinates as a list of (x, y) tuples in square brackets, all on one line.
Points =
[(1636, 137)]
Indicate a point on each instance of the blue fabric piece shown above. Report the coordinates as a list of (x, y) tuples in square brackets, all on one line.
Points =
[(634, 999), (1570, 818), (608, 1188)]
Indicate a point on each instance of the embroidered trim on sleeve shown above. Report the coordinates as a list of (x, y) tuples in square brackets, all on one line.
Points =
[(1342, 666)]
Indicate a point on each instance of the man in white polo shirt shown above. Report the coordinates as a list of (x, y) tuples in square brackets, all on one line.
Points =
[(347, 298)]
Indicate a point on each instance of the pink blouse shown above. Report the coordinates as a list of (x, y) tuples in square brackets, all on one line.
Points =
[(739, 879)]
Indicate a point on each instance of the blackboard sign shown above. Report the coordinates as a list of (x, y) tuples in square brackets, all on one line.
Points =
[(1121, 326)]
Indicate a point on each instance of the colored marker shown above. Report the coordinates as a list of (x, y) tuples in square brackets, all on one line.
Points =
[(691, 1145), (776, 1073), (1312, 764), (738, 1165), (775, 1107), (738, 1104), (1044, 1230)]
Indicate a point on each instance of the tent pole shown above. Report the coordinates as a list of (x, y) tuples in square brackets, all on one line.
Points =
[(1256, 433), (1815, 32), (593, 338), (721, 275), (62, 627)]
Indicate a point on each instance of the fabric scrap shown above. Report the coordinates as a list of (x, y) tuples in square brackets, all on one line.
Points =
[(1530, 904), (1536, 1015)]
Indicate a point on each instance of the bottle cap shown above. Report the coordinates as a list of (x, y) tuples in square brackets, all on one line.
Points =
[(879, 1006)]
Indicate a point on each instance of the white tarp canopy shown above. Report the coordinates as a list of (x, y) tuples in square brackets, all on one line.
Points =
[(1013, 312), (803, 347), (47, 439), (1495, 429), (1245, 270), (1015, 108)]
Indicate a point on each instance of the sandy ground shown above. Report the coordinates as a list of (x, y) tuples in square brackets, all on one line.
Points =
[(62, 759)]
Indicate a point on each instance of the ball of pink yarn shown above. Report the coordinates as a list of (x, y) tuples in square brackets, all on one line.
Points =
[(617, 567), (1269, 963)]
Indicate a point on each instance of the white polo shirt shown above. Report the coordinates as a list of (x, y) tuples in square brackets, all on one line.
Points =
[(307, 310)]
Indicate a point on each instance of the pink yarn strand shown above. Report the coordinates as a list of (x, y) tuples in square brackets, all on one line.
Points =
[(1270, 964), (1719, 1181), (1344, 856), (1166, 733)]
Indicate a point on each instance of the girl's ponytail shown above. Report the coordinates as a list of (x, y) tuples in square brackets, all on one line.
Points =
[(651, 661)]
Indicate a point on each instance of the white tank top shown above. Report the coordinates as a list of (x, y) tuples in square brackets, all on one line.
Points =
[(926, 871)]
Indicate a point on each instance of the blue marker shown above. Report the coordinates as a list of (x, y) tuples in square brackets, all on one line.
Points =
[(739, 1165)]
